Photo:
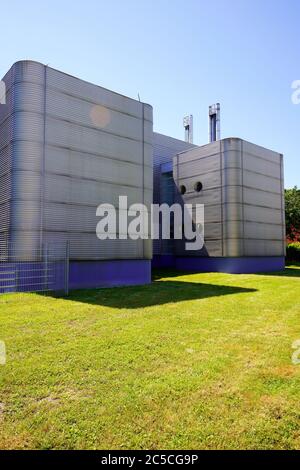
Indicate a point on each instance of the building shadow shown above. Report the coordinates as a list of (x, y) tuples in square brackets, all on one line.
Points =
[(163, 273), (289, 271), (158, 293)]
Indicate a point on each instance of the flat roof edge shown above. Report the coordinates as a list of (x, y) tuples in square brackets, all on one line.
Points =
[(77, 78)]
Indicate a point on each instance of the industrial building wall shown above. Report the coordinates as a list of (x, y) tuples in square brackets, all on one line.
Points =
[(76, 145), (5, 164), (263, 201), (242, 194), (164, 149), (203, 165), (20, 160)]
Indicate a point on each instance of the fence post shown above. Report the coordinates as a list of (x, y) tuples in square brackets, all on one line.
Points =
[(67, 268)]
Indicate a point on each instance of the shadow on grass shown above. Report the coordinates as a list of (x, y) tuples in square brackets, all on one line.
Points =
[(157, 293), (162, 273), (291, 270)]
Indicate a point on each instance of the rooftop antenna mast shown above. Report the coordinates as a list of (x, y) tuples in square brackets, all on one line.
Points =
[(188, 128), (214, 115)]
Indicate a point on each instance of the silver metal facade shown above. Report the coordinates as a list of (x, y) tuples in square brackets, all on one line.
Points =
[(243, 194), (67, 146), (164, 150)]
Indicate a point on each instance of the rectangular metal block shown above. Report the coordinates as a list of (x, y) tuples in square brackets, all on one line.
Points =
[(245, 183), (67, 146)]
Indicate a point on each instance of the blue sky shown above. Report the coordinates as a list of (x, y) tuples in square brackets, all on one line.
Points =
[(180, 56)]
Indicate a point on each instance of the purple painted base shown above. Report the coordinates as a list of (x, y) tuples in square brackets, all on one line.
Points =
[(224, 265), (90, 274), (164, 261)]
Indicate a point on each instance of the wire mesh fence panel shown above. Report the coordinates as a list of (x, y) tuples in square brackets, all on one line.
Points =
[(34, 270)]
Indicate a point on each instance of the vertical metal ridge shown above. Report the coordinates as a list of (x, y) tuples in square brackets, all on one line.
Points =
[(43, 164), (11, 189), (282, 206), (222, 199), (243, 206), (143, 191)]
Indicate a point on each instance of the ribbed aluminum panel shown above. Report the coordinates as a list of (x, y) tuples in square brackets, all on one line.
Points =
[(196, 152), (213, 231), (25, 215), (233, 247), (28, 127), (79, 111), (260, 152), (95, 94), (73, 219), (207, 197), (5, 185), (261, 166), (93, 167), (67, 146), (231, 159), (263, 248), (243, 186), (259, 197), (6, 152), (211, 248), (164, 149), (4, 216), (262, 214), (73, 136), (89, 192), (210, 180), (28, 96), (258, 181), (210, 196), (5, 160), (213, 214), (188, 169), (262, 231), (81, 247)]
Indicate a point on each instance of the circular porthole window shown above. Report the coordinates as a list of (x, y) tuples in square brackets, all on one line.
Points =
[(182, 189), (198, 186)]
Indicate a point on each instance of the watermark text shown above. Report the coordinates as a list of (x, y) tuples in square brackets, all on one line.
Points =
[(2, 353), (176, 222)]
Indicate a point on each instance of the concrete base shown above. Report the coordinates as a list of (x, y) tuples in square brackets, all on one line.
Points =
[(245, 265), (91, 274)]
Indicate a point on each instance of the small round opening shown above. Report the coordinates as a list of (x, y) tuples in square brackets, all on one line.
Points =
[(198, 186), (182, 189)]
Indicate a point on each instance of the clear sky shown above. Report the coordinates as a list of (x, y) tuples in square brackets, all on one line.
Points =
[(179, 55)]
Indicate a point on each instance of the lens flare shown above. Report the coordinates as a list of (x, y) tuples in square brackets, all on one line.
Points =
[(100, 116)]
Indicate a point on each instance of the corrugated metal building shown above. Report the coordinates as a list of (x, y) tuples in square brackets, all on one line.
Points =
[(67, 146), (241, 187)]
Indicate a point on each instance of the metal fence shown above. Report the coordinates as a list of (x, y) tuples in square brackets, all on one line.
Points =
[(41, 270)]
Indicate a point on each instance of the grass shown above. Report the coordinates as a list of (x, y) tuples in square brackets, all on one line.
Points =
[(192, 361)]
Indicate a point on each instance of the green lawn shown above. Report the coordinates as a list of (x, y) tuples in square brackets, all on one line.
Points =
[(191, 361)]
